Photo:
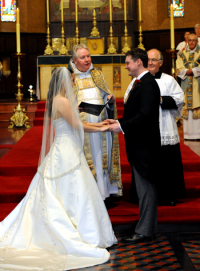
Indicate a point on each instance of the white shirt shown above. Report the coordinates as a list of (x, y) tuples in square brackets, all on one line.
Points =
[(182, 45)]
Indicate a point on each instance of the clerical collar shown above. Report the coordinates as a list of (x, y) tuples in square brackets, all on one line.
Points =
[(158, 75), (76, 71)]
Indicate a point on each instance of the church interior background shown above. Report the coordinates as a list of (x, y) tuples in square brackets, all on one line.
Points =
[(33, 30), (177, 245)]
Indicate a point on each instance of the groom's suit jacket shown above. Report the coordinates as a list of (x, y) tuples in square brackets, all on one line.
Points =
[(140, 124)]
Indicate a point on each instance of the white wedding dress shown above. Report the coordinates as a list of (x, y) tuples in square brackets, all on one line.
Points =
[(62, 222)]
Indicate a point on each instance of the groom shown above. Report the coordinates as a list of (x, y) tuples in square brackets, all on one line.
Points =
[(140, 126)]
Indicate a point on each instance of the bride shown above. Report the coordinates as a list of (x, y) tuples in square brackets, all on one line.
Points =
[(62, 222)]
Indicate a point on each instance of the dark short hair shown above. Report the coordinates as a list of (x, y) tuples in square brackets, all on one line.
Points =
[(137, 53)]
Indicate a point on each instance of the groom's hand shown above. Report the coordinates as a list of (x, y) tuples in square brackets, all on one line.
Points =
[(110, 121), (115, 128)]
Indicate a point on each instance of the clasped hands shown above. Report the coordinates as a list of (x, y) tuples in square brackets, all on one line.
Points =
[(113, 125), (109, 125)]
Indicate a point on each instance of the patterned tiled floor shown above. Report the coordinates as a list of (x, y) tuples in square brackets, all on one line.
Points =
[(193, 250), (166, 252)]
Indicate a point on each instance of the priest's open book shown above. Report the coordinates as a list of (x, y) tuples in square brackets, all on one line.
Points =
[(94, 109)]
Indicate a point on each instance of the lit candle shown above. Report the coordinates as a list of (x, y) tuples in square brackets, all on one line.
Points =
[(172, 27), (110, 2), (124, 10), (47, 11), (18, 31), (76, 11), (140, 14), (61, 7)]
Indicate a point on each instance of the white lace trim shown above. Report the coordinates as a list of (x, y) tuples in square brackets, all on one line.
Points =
[(169, 140), (167, 118)]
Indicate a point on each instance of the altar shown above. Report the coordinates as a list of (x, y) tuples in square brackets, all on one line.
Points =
[(112, 66), (90, 3)]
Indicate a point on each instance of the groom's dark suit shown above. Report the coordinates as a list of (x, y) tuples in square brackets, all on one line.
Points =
[(140, 124)]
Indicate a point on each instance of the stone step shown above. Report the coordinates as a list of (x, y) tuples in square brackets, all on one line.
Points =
[(7, 106)]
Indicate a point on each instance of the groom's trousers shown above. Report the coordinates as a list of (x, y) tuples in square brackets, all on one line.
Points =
[(147, 194)]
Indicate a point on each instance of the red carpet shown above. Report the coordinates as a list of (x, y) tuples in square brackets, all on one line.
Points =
[(6, 146), (19, 165)]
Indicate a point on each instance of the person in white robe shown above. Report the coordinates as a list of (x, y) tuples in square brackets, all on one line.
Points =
[(101, 149), (171, 186), (188, 69), (182, 45), (197, 31)]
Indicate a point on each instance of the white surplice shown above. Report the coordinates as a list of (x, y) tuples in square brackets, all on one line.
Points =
[(167, 118)]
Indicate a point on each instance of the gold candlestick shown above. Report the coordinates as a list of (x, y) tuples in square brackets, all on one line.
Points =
[(141, 46), (110, 5), (61, 10), (63, 49), (125, 48), (172, 27), (48, 50), (95, 32), (76, 22), (172, 53), (18, 44), (139, 11), (19, 117), (76, 10), (77, 34), (111, 49), (47, 3), (124, 10)]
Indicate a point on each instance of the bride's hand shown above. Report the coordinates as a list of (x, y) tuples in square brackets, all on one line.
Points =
[(101, 124), (105, 128), (104, 123), (110, 121)]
